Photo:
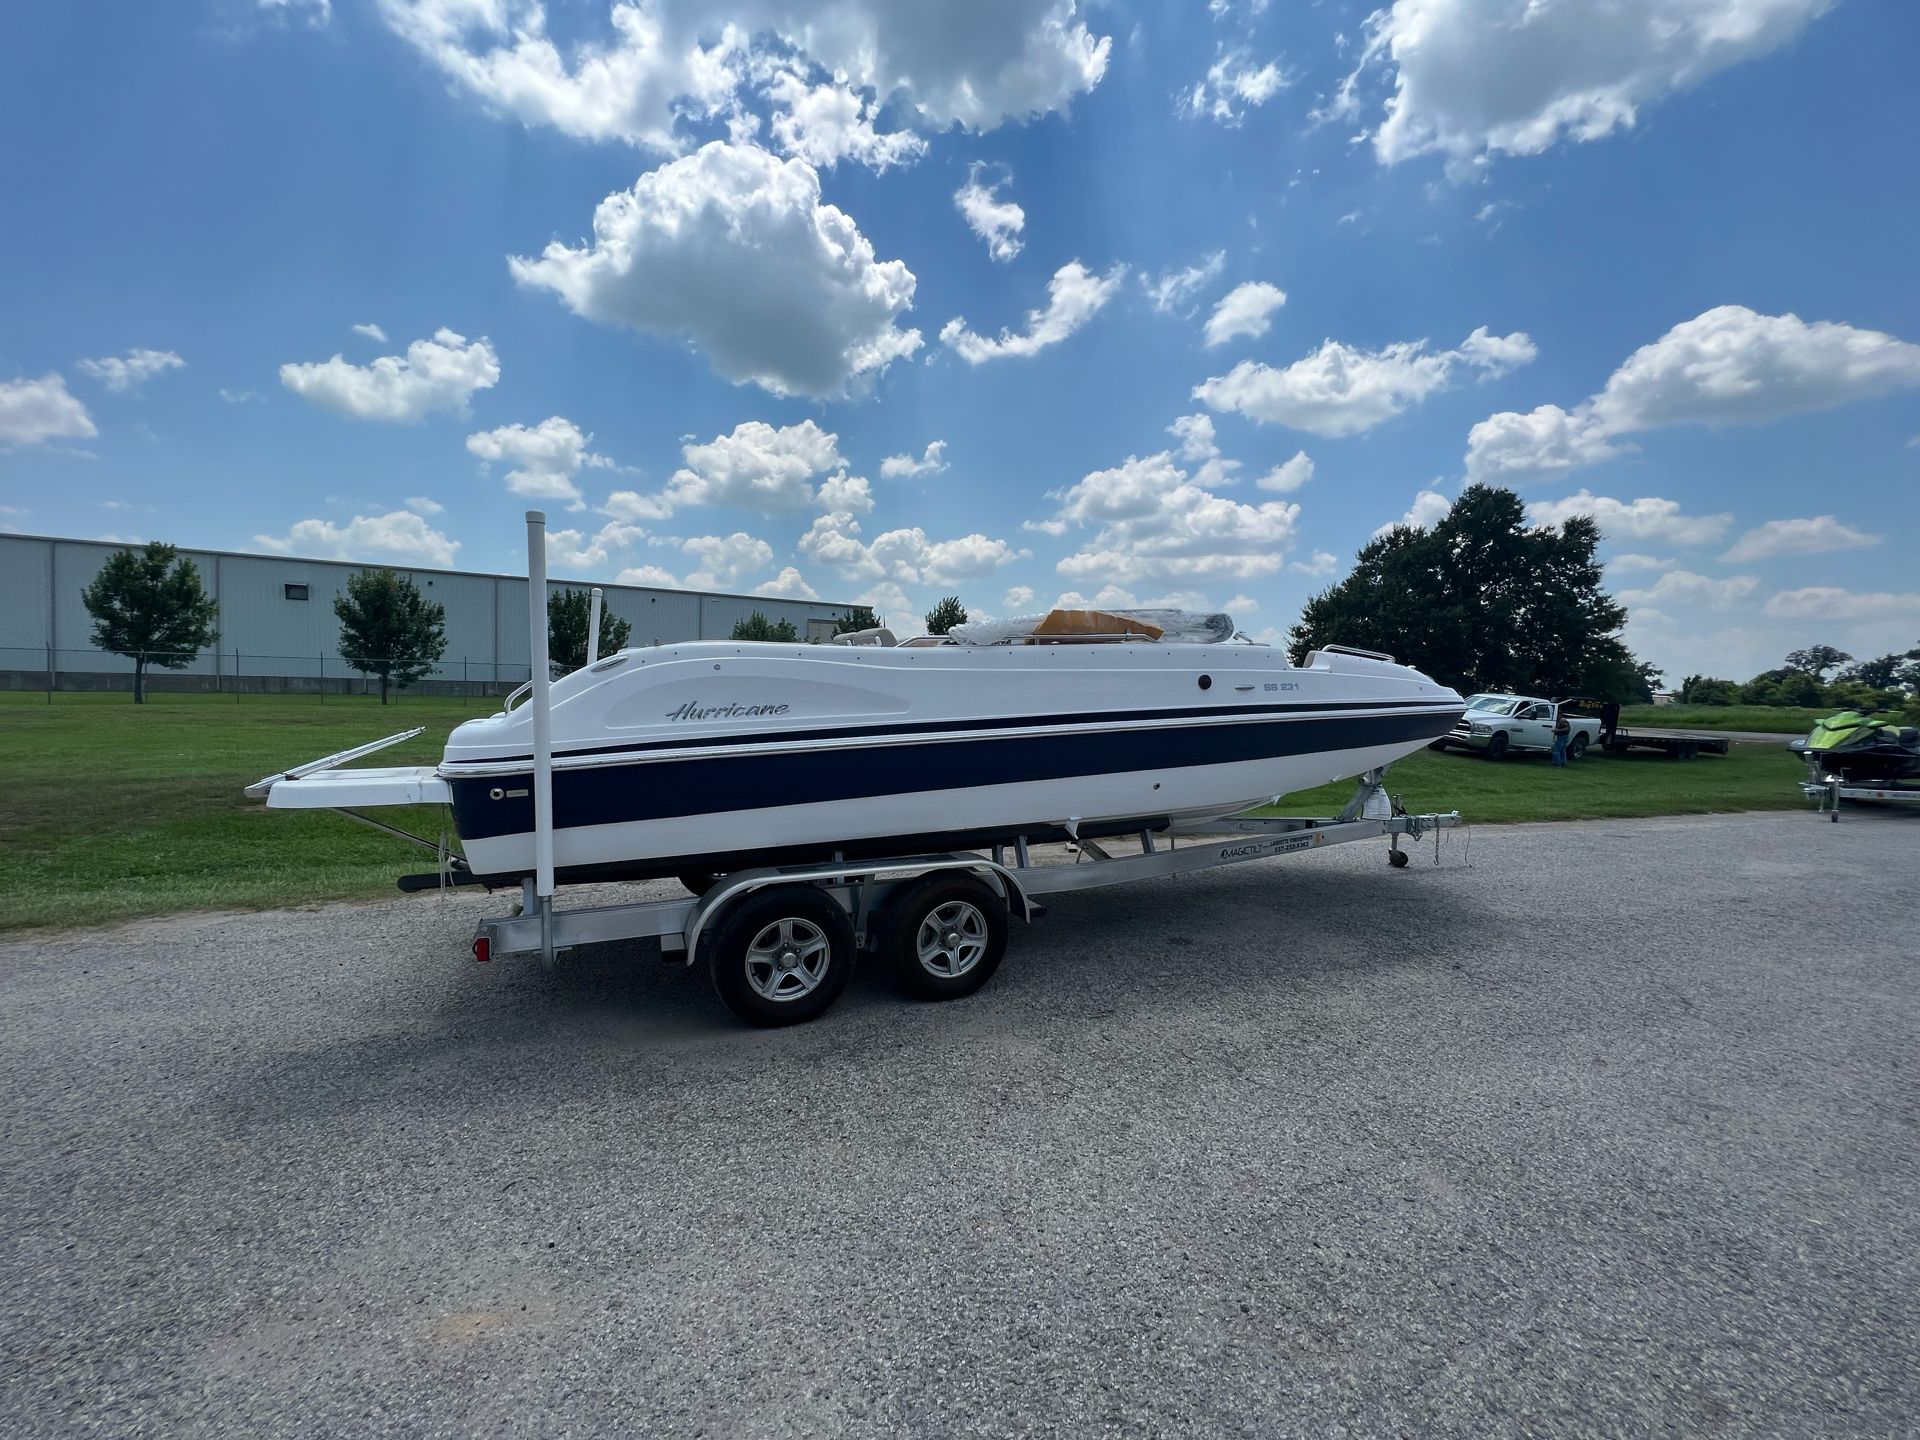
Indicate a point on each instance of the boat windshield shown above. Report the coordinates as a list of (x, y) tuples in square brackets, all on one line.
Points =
[(1494, 704)]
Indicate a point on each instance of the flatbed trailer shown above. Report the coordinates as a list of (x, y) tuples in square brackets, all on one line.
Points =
[(1677, 744)]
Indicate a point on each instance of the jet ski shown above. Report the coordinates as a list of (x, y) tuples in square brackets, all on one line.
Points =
[(1860, 749)]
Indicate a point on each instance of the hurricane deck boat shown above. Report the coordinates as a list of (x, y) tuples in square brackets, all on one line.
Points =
[(712, 756)]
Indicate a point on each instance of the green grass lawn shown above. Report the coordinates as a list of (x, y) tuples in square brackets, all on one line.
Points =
[(1599, 785), (110, 810), (1772, 719)]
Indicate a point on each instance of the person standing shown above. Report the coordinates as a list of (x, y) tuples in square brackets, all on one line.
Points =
[(1562, 732)]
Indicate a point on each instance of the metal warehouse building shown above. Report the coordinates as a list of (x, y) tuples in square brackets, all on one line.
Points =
[(278, 631)]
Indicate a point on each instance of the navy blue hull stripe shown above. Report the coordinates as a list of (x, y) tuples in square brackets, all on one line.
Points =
[(665, 789), (1025, 722)]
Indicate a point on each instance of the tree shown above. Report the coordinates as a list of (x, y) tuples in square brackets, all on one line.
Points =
[(1482, 601), (757, 627), (1784, 685), (1884, 672), (567, 630), (860, 617), (148, 606), (1704, 690), (388, 628), (1817, 660), (947, 614)]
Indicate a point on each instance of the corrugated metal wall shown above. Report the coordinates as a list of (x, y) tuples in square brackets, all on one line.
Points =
[(265, 632)]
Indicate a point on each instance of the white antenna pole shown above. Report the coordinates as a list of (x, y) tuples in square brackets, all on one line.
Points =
[(542, 711), (593, 627)]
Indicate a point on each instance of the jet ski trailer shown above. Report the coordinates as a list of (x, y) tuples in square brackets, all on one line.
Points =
[(780, 930)]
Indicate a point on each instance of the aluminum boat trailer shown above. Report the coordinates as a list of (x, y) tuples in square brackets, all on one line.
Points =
[(940, 921), (1827, 791)]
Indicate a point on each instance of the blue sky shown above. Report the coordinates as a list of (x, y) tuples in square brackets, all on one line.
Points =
[(1650, 261)]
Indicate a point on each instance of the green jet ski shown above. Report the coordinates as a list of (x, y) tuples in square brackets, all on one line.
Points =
[(1860, 749)]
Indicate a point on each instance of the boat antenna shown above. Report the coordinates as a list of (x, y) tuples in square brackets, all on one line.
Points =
[(542, 679), (593, 627)]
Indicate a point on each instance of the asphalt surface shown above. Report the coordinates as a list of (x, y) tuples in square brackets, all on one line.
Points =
[(1608, 1130)]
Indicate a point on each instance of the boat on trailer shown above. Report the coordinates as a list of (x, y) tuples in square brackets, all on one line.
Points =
[(837, 774)]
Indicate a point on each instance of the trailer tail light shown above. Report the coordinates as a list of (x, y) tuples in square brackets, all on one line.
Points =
[(483, 949)]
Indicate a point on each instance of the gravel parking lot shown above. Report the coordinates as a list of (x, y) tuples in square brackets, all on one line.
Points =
[(1610, 1129)]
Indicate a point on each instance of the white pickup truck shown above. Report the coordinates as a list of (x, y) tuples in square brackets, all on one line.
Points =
[(1497, 725)]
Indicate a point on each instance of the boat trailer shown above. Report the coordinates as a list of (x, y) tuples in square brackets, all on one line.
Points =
[(782, 940), (1019, 877), (1827, 791)]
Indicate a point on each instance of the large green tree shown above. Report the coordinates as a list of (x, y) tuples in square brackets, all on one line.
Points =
[(148, 606), (860, 617), (947, 614), (1484, 601), (567, 612), (1817, 660), (389, 629)]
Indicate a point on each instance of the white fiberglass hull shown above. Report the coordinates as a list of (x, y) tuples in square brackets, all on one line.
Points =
[(715, 756)]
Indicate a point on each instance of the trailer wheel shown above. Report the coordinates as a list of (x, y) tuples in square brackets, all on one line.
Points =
[(782, 956), (698, 882), (945, 936), (1497, 746), (1397, 859)]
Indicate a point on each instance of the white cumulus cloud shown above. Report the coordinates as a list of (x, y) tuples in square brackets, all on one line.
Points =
[(437, 374), (1649, 518), (1727, 366), (902, 557), (1342, 390), (545, 457), (1429, 508), (734, 249), (1830, 602), (33, 412), (659, 62), (725, 560), (1814, 536), (826, 123), (1288, 475), (371, 331), (1172, 290), (996, 220), (1473, 77), (1683, 588), (931, 462), (758, 466), (789, 584), (399, 537), (1234, 84), (1244, 310), (135, 368), (1152, 521), (1074, 296)]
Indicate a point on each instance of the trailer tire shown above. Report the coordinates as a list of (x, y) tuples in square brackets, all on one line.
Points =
[(698, 882), (781, 956), (945, 936), (1497, 746)]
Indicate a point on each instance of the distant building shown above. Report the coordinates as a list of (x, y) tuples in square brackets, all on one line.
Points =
[(278, 630)]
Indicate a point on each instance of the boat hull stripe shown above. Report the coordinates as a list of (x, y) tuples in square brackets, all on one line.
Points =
[(944, 727), (664, 788)]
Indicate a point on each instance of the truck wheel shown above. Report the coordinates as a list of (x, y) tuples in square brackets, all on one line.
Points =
[(1497, 746), (1577, 748), (781, 956), (945, 936)]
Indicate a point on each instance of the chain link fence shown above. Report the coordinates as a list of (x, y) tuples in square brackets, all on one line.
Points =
[(56, 672)]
